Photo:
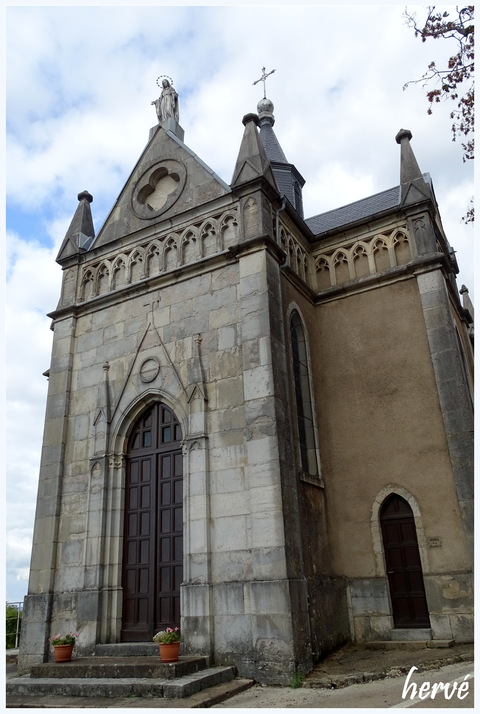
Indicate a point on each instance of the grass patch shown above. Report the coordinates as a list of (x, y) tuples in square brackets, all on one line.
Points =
[(297, 680)]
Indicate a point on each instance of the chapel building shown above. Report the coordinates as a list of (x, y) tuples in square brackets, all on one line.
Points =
[(259, 426)]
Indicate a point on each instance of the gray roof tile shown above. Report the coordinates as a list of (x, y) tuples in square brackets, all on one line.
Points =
[(359, 210), (272, 146)]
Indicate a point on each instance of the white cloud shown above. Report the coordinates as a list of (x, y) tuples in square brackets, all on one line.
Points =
[(33, 289), (18, 547), (79, 85), (325, 192)]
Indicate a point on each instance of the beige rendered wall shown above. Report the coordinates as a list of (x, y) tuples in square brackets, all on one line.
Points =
[(379, 422), (381, 430)]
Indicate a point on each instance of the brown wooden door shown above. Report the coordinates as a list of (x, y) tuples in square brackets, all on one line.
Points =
[(153, 532), (404, 568)]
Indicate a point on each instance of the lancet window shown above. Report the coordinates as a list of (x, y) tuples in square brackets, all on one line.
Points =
[(303, 397)]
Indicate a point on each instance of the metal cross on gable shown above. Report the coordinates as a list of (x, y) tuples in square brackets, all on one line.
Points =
[(262, 79)]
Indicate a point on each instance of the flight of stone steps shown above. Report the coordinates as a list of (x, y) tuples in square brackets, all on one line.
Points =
[(122, 670)]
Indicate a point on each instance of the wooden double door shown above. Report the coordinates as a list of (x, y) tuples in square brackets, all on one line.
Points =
[(153, 531), (404, 567)]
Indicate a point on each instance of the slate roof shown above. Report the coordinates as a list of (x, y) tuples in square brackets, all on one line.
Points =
[(357, 211), (283, 178), (271, 144), (287, 177)]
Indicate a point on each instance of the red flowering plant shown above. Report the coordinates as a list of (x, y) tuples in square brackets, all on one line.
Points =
[(63, 639), (167, 636)]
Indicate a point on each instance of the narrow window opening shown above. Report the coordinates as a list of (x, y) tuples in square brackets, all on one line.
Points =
[(305, 423)]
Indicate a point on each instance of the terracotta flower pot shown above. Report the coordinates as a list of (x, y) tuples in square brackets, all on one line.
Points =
[(63, 653), (170, 652)]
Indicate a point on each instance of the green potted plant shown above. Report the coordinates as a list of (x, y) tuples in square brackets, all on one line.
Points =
[(63, 646), (169, 643)]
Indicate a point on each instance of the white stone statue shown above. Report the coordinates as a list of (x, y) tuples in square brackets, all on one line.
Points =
[(167, 103)]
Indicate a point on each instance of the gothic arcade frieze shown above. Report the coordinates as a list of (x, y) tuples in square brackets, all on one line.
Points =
[(358, 259), (159, 255), (296, 256), (323, 268)]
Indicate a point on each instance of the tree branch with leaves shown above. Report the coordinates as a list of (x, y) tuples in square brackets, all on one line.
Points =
[(456, 81)]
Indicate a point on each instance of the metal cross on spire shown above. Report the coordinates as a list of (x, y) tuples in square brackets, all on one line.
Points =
[(262, 79)]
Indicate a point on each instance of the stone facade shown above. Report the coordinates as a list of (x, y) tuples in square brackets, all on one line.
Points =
[(186, 297)]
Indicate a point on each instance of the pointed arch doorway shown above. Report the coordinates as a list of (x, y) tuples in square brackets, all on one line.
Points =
[(404, 567), (153, 526)]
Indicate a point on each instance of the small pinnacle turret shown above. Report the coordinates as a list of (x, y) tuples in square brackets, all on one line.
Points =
[(252, 160), (409, 168), (413, 186), (81, 231)]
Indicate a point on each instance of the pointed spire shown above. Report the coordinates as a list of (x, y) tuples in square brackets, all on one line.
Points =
[(81, 231), (409, 168), (267, 135), (289, 181), (413, 187), (252, 161)]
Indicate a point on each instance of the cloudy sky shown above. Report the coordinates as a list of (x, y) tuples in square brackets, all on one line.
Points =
[(79, 86)]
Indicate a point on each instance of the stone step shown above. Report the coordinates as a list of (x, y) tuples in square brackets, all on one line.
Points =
[(12, 656), (408, 644), (440, 644), (204, 699), (122, 667), (127, 649), (415, 634), (395, 645), (184, 686)]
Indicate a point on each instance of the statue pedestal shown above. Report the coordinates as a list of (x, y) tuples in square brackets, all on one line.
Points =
[(169, 125)]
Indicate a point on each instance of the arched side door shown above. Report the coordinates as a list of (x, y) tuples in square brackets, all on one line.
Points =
[(404, 567), (153, 530)]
